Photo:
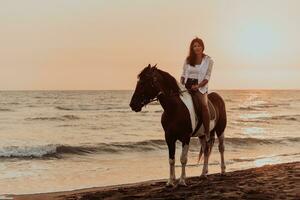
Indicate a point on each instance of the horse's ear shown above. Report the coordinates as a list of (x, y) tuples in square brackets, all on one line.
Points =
[(153, 68), (149, 66)]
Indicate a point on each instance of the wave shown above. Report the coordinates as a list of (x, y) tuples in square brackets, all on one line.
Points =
[(228, 100), (260, 141), (267, 119), (5, 110), (10, 103), (114, 108), (27, 151), (63, 108), (262, 157), (245, 108), (44, 97), (62, 118), (158, 111), (58, 151), (282, 117), (261, 106), (252, 121)]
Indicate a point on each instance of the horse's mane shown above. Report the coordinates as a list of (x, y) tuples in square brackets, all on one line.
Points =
[(144, 72), (170, 82)]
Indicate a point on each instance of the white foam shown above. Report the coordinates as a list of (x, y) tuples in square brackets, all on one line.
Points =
[(27, 151)]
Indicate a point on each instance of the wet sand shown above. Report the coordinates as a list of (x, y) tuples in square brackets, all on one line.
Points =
[(281, 181)]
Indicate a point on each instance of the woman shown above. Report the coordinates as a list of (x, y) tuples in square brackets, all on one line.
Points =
[(196, 74)]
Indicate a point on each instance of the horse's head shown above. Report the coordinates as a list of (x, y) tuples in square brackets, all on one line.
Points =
[(147, 88)]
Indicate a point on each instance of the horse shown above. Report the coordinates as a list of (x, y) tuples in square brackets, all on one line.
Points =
[(155, 84)]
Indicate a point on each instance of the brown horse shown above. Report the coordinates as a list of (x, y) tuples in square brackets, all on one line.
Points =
[(154, 84)]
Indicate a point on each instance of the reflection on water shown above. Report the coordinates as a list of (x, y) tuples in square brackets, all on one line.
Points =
[(265, 161), (5, 197), (255, 115), (248, 115), (253, 131)]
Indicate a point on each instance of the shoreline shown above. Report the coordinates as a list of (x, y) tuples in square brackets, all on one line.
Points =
[(267, 182)]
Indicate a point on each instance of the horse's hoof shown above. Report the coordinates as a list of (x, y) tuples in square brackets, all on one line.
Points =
[(223, 174), (203, 176), (170, 184), (182, 183), (204, 172), (223, 170)]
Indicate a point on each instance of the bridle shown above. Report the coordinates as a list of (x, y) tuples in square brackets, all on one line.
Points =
[(153, 83)]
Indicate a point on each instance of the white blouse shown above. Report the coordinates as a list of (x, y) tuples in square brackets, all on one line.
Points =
[(201, 71)]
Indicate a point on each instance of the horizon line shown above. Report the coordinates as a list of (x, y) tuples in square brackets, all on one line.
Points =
[(236, 89)]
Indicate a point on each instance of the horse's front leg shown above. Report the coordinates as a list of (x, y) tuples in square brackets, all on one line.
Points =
[(172, 179), (183, 160), (204, 145)]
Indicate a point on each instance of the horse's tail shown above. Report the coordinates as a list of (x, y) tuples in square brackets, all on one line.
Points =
[(200, 154), (211, 142), (210, 145)]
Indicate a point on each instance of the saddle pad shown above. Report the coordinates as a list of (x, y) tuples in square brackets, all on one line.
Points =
[(187, 100)]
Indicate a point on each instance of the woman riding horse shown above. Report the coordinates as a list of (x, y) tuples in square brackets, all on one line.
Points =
[(177, 120), (196, 74)]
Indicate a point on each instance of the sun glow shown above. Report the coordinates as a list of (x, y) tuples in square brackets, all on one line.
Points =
[(257, 41), (46, 46)]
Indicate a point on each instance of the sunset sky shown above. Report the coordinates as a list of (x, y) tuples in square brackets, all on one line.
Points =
[(104, 44)]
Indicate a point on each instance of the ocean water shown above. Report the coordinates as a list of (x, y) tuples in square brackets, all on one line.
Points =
[(66, 140)]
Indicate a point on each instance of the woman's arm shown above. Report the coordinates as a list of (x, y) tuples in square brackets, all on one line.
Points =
[(209, 69), (204, 82), (201, 84), (207, 75), (184, 68)]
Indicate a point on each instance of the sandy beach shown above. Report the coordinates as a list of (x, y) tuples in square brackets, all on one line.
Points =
[(280, 181)]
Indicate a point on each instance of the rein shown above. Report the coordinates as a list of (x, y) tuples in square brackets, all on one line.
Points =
[(161, 93)]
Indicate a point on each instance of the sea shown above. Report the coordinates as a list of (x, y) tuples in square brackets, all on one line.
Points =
[(65, 140)]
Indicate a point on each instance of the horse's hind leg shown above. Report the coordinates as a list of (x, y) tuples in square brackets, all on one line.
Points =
[(221, 150), (204, 146)]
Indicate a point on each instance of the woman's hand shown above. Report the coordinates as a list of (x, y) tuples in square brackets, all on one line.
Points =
[(182, 80), (195, 87)]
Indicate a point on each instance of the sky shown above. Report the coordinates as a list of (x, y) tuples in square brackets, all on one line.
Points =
[(104, 44)]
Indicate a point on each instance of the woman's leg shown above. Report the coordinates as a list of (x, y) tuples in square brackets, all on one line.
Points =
[(203, 100), (197, 103)]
